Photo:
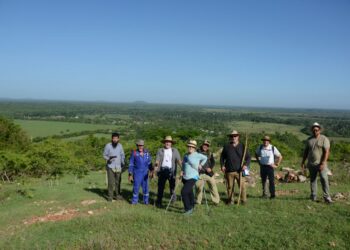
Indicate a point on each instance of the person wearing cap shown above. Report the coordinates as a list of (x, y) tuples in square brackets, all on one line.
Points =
[(266, 154), (191, 165), (317, 152), (139, 167), (114, 155), (206, 175), (167, 160), (231, 165)]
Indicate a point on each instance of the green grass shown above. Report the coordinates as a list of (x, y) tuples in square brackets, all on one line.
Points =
[(268, 128), (288, 222), (49, 128)]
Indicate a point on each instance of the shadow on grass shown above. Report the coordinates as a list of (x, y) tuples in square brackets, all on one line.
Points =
[(102, 192)]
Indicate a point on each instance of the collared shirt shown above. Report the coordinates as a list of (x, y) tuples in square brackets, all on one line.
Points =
[(117, 162), (167, 160), (267, 154)]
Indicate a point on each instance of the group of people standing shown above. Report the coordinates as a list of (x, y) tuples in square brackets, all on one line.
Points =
[(197, 168)]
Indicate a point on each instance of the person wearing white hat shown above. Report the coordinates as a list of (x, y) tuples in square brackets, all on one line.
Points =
[(231, 165), (269, 158), (167, 160), (317, 152), (191, 164)]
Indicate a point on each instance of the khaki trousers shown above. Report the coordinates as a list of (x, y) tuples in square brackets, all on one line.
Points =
[(231, 177), (204, 178)]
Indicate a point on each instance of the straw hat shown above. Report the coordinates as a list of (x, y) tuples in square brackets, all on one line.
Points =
[(266, 138), (169, 139), (234, 132), (140, 143), (192, 143), (206, 142)]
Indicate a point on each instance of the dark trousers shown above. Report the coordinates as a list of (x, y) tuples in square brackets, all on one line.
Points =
[(187, 193), (114, 181), (267, 171), (163, 175)]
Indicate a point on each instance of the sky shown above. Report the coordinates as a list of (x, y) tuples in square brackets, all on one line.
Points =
[(267, 53)]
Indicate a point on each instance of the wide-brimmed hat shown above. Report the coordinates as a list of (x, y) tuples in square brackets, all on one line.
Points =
[(192, 143), (234, 132), (140, 143), (169, 139), (266, 138), (316, 124), (206, 142)]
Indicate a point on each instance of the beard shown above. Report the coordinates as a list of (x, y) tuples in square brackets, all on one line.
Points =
[(114, 144)]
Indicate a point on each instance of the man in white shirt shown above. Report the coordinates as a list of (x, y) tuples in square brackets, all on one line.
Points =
[(266, 155), (167, 160)]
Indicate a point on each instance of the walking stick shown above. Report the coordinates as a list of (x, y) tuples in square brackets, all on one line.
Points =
[(240, 174), (174, 193), (205, 196)]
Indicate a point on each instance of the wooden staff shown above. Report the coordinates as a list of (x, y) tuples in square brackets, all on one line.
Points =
[(240, 174)]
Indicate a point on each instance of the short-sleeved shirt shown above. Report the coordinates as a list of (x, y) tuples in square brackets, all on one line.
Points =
[(267, 155), (316, 147)]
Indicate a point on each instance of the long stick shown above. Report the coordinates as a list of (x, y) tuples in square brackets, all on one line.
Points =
[(174, 193), (205, 196), (240, 174)]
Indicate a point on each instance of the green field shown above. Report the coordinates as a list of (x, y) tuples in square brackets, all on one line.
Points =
[(74, 215), (268, 128), (48, 128)]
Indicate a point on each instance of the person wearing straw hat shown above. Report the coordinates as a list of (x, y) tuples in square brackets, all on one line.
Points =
[(167, 160), (317, 152), (191, 165), (231, 165), (114, 155), (206, 175), (266, 155), (139, 168)]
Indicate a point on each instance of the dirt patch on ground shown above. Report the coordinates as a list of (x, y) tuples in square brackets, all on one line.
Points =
[(65, 214), (287, 192)]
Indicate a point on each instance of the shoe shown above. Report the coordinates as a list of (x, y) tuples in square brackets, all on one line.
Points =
[(328, 200), (272, 197), (313, 198), (159, 205), (119, 198), (188, 212), (264, 196), (244, 202)]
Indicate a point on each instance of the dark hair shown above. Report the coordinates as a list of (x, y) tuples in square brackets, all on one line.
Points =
[(115, 134)]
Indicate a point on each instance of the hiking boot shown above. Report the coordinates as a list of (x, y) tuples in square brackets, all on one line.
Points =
[(119, 198)]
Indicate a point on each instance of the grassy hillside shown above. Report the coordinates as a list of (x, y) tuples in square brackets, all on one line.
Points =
[(48, 128), (76, 216)]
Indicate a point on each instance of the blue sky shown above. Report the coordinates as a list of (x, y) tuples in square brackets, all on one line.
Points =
[(241, 53)]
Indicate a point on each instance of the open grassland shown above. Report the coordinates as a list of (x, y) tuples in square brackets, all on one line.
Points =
[(75, 215), (48, 128), (268, 128)]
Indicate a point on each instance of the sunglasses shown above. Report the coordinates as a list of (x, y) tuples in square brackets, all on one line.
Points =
[(316, 130)]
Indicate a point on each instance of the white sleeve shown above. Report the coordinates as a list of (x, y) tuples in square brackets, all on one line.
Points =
[(277, 153)]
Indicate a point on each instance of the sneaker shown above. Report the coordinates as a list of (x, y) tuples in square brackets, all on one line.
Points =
[(188, 212)]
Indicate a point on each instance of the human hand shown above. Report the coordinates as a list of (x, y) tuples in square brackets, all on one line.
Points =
[(223, 169), (131, 178)]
